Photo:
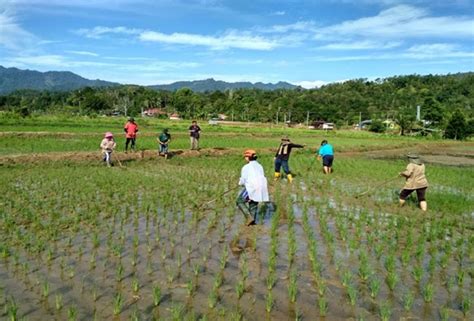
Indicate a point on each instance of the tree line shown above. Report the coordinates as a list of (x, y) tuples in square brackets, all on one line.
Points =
[(396, 98)]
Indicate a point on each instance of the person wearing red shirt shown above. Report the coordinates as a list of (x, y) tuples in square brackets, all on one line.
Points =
[(130, 129)]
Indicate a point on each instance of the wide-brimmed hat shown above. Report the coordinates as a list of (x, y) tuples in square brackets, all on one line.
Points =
[(250, 153), (108, 135), (285, 139), (414, 158)]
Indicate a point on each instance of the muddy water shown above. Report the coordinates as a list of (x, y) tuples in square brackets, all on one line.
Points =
[(164, 250)]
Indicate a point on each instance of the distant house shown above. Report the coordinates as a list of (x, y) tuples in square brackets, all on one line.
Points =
[(153, 112), (175, 116), (365, 124), (321, 124), (328, 126), (390, 124)]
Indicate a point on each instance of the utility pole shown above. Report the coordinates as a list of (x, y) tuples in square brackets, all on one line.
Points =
[(307, 118)]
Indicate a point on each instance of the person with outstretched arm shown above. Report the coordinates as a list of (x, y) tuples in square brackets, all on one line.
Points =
[(282, 157)]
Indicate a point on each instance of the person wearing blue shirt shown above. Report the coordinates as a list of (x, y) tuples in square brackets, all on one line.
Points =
[(326, 152)]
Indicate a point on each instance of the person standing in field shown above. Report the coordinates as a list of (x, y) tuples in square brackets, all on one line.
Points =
[(130, 129), (194, 133), (282, 157), (108, 145), (415, 181), (163, 140), (255, 190), (326, 153)]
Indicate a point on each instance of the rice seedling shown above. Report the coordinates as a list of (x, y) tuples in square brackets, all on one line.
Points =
[(323, 306), (72, 313), (118, 303), (392, 280), (346, 278), (408, 300), (428, 291), (135, 285), (269, 302), (58, 299), (292, 287), (385, 311), (240, 288), (12, 309), (191, 287), (157, 295), (374, 287), (352, 293), (45, 288), (465, 305), (417, 273), (271, 280), (212, 298), (444, 313)]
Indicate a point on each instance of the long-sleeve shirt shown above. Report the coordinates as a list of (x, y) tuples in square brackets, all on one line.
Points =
[(253, 178), (326, 149), (284, 150), (107, 145), (415, 176)]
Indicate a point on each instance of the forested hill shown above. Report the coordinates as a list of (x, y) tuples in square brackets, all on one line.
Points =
[(213, 85), (12, 79)]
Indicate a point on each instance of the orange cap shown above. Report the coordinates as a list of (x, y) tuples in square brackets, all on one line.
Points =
[(249, 153)]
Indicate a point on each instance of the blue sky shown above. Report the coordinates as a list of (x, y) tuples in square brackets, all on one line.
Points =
[(307, 43)]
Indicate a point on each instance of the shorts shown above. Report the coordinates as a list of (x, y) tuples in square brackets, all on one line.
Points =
[(420, 193), (327, 160)]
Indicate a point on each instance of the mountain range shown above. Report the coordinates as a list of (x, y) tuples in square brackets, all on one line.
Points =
[(12, 79)]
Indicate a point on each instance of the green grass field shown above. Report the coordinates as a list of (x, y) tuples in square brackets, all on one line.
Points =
[(157, 239)]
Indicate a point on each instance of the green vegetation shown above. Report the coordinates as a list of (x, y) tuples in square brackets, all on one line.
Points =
[(346, 103), (80, 241)]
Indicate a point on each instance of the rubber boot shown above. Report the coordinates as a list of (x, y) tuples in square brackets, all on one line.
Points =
[(289, 177), (277, 176), (423, 206)]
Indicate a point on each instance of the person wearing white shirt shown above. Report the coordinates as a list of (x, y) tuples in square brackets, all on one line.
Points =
[(255, 189)]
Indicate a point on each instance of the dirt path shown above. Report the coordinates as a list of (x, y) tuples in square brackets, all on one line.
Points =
[(438, 153)]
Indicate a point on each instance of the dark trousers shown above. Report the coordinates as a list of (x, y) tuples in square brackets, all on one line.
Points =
[(248, 207), (132, 145)]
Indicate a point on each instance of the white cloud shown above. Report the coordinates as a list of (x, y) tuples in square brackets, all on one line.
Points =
[(83, 53), (402, 21), (12, 35), (361, 45), (232, 39), (312, 84), (435, 51), (278, 13), (99, 31), (300, 26)]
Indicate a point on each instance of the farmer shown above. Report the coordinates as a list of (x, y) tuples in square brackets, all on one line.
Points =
[(254, 183), (326, 153), (415, 181), (130, 129), (163, 140), (282, 156), (194, 131), (108, 145)]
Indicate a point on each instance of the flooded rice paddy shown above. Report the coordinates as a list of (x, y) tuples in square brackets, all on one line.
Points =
[(82, 242)]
